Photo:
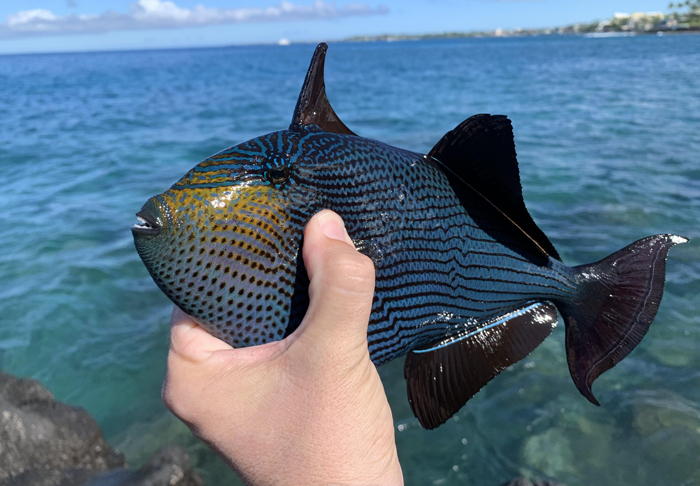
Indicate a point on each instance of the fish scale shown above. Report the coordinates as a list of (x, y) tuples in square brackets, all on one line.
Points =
[(466, 283)]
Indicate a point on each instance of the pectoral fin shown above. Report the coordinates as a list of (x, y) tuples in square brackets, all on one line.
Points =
[(444, 376)]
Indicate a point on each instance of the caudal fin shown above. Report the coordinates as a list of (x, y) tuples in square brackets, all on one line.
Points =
[(619, 300)]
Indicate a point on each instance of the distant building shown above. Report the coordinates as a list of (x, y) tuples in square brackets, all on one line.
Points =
[(634, 22), (671, 23)]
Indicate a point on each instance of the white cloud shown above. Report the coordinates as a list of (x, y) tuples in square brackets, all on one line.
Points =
[(163, 14)]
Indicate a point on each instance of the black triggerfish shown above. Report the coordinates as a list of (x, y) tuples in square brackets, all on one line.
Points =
[(466, 283)]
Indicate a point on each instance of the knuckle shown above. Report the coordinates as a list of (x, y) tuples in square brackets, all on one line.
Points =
[(187, 343), (184, 347), (352, 271), (175, 395), (169, 399), (178, 407)]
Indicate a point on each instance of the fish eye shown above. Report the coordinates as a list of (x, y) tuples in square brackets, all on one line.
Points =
[(277, 176)]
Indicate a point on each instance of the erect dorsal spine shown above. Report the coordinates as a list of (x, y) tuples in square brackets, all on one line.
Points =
[(313, 107)]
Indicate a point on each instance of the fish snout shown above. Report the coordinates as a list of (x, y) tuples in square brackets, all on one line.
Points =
[(150, 220)]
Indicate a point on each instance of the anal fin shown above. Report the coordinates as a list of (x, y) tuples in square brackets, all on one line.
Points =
[(444, 376)]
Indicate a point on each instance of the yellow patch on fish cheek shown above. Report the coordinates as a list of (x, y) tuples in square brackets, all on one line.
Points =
[(237, 214)]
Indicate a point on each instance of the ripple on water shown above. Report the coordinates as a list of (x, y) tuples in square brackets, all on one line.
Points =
[(607, 137)]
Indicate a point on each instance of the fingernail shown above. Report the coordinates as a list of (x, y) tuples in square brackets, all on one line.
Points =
[(332, 226)]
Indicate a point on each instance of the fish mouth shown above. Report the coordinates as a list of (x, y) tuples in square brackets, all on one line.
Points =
[(146, 225)]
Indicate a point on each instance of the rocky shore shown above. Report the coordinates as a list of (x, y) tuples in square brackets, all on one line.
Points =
[(527, 482), (44, 442)]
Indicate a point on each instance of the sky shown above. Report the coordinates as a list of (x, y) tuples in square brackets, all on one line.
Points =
[(83, 25)]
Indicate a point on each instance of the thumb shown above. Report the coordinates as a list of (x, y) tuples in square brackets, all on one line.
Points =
[(341, 287)]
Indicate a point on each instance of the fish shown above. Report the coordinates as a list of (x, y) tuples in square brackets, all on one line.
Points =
[(466, 282)]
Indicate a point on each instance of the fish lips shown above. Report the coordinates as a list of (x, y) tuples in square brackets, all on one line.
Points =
[(147, 225)]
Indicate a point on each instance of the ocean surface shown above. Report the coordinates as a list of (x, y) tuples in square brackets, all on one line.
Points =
[(608, 137)]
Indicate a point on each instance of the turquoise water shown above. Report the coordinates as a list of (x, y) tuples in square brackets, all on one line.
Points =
[(608, 137)]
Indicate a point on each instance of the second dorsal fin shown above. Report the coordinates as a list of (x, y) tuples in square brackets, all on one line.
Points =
[(313, 107), (480, 152)]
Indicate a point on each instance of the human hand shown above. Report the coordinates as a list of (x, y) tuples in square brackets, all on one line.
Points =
[(307, 410)]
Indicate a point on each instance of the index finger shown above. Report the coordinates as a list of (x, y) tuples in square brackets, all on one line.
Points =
[(189, 341)]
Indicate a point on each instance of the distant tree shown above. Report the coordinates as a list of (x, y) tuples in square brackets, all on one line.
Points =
[(688, 11)]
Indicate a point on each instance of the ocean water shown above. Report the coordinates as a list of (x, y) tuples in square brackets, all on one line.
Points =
[(608, 137)]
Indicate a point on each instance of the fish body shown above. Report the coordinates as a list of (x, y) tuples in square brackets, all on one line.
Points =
[(466, 283), (437, 271)]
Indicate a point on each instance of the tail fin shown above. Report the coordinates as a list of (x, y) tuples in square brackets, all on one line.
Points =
[(620, 297)]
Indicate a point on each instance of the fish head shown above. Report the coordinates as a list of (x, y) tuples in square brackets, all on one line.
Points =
[(223, 243), (219, 242)]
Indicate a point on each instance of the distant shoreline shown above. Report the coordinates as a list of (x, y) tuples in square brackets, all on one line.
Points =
[(511, 34), (620, 25), (498, 33), (482, 35)]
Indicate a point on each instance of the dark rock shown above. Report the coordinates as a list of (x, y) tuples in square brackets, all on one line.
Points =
[(52, 477), (169, 466), (48, 443), (527, 482), (39, 434)]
